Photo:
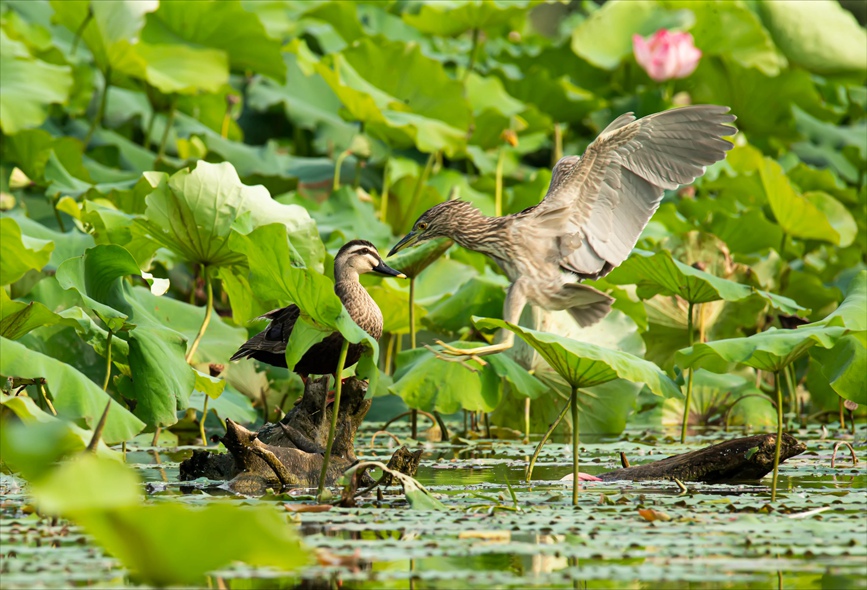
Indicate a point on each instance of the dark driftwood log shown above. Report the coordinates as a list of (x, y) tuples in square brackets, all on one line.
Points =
[(742, 459), (290, 452)]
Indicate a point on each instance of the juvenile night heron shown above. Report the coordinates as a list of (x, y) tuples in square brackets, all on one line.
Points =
[(593, 213), (269, 346)]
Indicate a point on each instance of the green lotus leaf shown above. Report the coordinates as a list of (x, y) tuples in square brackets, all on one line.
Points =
[(220, 340), (605, 38), (771, 350), (30, 86), (307, 101), (17, 317), (162, 543), (426, 108), (801, 30), (852, 313), (845, 366), (226, 27), (843, 148), (583, 364), (33, 445), (75, 396), (659, 273), (19, 253), (733, 31), (162, 381), (746, 91), (428, 383), (453, 17), (193, 214), (394, 304), (110, 29), (482, 295)]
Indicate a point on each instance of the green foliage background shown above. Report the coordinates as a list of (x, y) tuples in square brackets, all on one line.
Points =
[(146, 141)]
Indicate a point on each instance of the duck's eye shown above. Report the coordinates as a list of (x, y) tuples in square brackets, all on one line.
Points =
[(422, 226)]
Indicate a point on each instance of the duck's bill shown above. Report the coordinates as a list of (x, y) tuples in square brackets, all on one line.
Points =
[(408, 240), (386, 270)]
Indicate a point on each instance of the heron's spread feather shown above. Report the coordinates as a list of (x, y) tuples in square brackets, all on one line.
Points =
[(598, 205)]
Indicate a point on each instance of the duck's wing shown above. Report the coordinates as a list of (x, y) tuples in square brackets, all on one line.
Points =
[(273, 338), (597, 205)]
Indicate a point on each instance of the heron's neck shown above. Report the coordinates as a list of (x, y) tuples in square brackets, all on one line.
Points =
[(480, 233)]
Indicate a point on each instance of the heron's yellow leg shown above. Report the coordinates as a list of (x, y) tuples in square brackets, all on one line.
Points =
[(461, 355)]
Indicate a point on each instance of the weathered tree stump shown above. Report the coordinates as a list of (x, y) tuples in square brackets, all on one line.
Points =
[(739, 460), (290, 452)]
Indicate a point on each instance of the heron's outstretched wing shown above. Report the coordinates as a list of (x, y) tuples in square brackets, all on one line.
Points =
[(598, 204)]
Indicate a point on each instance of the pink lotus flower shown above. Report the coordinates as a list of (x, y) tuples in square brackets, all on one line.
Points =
[(666, 55)]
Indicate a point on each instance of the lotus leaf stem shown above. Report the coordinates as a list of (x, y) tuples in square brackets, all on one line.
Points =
[(527, 420), (383, 199), (100, 113), (576, 481), (100, 426), (688, 399), (779, 390), (545, 438), (338, 164), (209, 289), (386, 433), (412, 343), (338, 387), (837, 446), (473, 50), (498, 186), (59, 219), (416, 192), (80, 31), (44, 395), (842, 416), (205, 417), (558, 144), (169, 122), (793, 395)]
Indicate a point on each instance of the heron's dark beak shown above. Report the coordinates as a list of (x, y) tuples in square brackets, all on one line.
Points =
[(408, 240), (383, 269)]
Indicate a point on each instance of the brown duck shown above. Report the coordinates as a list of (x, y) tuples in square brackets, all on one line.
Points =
[(269, 346)]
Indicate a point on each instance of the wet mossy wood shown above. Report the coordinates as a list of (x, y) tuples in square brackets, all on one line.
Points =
[(742, 459), (294, 446)]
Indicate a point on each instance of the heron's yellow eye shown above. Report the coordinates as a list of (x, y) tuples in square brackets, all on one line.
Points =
[(422, 226)]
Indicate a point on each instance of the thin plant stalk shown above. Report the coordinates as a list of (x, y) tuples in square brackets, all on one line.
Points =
[(80, 31), (412, 343), (842, 415), (793, 395), (204, 417), (473, 51), (209, 289), (498, 194), (383, 200), (100, 113), (335, 411), (170, 120), (416, 192), (779, 390), (527, 420), (558, 144), (149, 131), (689, 379), (57, 216), (338, 164), (542, 442), (573, 403), (100, 426), (44, 395)]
